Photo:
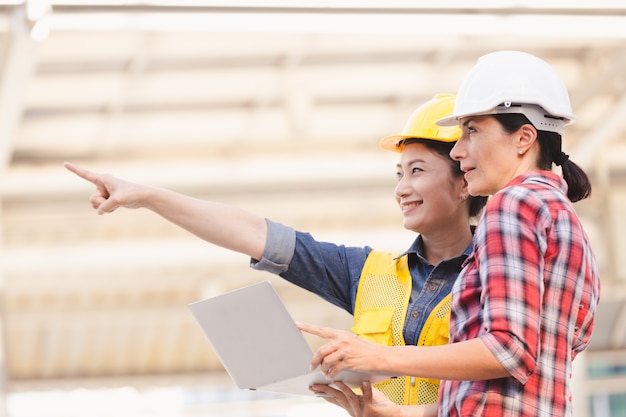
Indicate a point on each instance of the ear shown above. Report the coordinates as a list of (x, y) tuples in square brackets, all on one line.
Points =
[(527, 137), (465, 191)]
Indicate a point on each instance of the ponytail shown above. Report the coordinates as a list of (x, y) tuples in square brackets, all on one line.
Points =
[(578, 185)]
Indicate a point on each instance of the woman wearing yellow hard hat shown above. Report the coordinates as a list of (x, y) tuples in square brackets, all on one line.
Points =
[(404, 298), (523, 307), (396, 299)]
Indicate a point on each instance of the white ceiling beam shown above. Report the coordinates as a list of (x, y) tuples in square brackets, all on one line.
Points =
[(20, 59), (347, 17), (344, 6)]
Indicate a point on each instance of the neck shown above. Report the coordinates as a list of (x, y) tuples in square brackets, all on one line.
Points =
[(446, 244)]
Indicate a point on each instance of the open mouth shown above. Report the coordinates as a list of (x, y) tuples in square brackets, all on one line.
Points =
[(409, 206)]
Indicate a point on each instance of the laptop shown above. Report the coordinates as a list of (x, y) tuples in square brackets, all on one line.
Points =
[(260, 345)]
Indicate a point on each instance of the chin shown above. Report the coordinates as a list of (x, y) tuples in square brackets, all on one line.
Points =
[(476, 190), (408, 225)]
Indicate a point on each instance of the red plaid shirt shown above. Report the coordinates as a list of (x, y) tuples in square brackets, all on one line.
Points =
[(529, 291)]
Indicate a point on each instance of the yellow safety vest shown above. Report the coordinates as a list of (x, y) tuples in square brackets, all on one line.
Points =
[(382, 301)]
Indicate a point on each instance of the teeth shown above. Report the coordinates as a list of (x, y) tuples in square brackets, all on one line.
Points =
[(410, 205)]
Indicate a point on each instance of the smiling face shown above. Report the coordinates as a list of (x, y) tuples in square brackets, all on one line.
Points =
[(489, 156), (430, 198)]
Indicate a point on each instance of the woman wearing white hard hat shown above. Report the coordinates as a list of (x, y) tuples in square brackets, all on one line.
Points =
[(395, 299), (523, 307)]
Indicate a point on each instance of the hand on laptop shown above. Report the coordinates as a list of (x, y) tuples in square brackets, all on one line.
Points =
[(345, 351), (372, 403)]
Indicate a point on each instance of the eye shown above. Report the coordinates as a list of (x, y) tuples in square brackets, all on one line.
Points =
[(399, 175), (416, 170), (468, 128)]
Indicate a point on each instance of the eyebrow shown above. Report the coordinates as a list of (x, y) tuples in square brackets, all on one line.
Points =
[(411, 162)]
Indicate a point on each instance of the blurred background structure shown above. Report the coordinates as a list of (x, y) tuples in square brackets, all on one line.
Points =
[(276, 106)]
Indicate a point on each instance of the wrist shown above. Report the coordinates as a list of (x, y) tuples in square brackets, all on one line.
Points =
[(386, 360)]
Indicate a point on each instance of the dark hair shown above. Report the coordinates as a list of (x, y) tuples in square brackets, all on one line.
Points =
[(476, 203), (578, 185)]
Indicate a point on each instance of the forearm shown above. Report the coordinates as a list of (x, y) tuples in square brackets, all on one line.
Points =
[(469, 360), (426, 410), (226, 226)]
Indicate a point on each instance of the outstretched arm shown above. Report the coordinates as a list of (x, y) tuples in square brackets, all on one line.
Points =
[(226, 226)]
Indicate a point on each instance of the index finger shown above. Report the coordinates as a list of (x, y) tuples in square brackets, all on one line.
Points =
[(324, 332), (83, 173)]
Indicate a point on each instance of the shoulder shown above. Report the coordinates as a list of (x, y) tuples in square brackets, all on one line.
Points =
[(534, 191), (526, 205)]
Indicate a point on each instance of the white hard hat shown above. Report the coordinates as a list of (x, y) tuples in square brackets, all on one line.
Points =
[(514, 82)]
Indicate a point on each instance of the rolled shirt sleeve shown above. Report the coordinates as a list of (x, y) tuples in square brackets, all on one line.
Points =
[(329, 270), (279, 249)]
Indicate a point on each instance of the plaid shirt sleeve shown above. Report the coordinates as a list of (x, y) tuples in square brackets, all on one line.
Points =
[(512, 279)]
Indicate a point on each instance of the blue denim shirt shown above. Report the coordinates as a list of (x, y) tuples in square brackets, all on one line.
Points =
[(333, 272)]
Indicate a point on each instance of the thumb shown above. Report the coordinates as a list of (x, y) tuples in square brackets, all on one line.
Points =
[(107, 206)]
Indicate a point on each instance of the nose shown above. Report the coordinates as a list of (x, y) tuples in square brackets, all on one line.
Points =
[(458, 150), (401, 189)]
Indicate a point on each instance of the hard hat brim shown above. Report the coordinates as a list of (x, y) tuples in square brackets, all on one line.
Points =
[(395, 142), (448, 121), (538, 117)]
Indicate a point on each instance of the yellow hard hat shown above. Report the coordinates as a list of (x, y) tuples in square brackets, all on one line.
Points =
[(423, 124)]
